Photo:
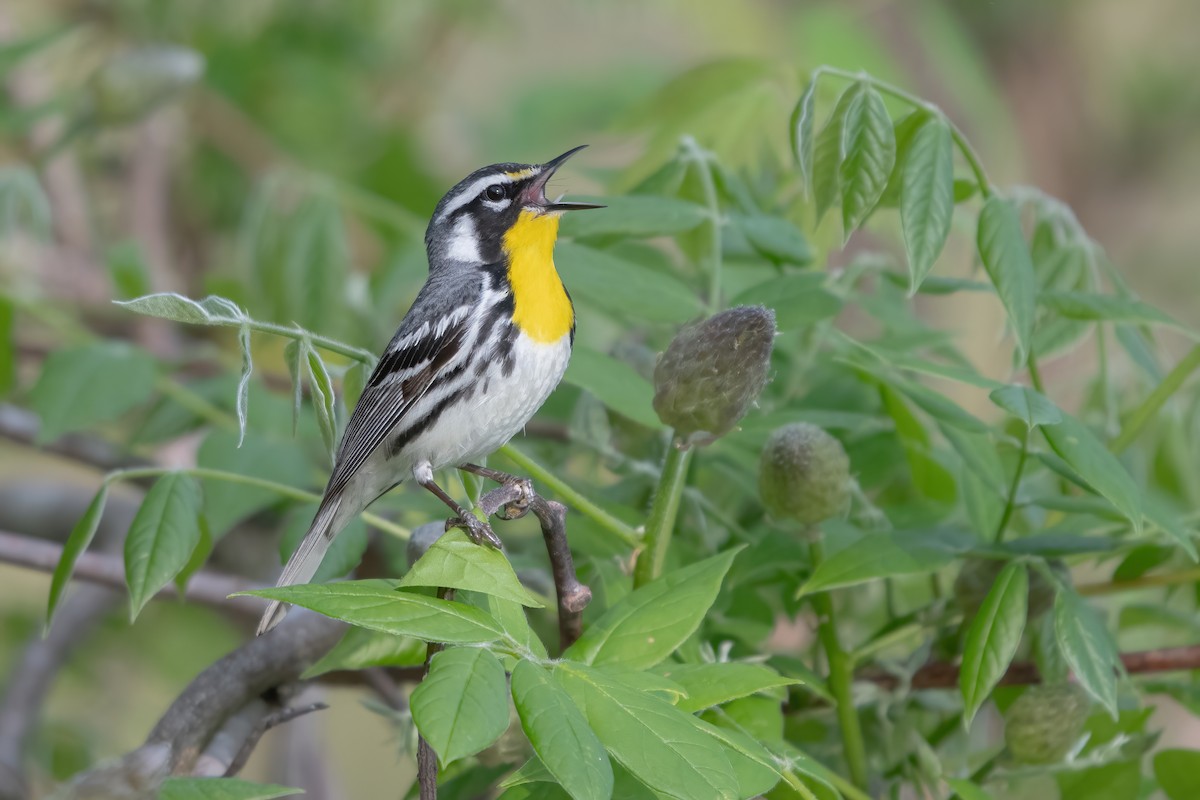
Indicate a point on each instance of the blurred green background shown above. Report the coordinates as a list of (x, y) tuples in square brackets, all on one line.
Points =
[(345, 120)]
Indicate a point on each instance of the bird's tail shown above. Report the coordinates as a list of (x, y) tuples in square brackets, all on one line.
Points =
[(303, 564)]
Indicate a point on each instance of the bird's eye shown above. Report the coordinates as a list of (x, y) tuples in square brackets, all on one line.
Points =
[(495, 192)]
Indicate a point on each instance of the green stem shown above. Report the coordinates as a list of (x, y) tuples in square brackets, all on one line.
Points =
[(663, 512), (1150, 406), (571, 497), (196, 403), (792, 780), (1035, 374), (282, 489), (299, 334), (841, 679), (960, 139), (1012, 488), (702, 161)]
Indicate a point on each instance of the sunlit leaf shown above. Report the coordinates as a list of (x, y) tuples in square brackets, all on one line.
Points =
[(868, 153), (993, 637), (162, 537), (81, 536), (212, 310), (360, 648), (716, 683), (461, 706), (646, 625), (927, 197), (1006, 258), (1087, 647), (560, 735), (379, 606), (455, 562), (1178, 773)]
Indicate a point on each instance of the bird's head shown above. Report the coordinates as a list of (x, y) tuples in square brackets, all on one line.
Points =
[(471, 223)]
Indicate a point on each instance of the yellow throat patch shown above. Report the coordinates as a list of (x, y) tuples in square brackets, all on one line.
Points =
[(541, 308)]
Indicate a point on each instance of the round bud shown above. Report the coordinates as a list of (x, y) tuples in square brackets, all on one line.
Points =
[(804, 474), (713, 371), (977, 575), (134, 83), (1045, 722)]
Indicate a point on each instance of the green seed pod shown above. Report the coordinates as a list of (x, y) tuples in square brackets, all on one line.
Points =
[(713, 371), (1045, 722), (977, 575), (134, 83), (804, 474)]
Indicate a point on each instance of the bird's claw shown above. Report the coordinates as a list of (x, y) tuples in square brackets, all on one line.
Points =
[(477, 530), (519, 507)]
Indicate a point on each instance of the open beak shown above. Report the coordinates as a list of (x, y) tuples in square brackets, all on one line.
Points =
[(535, 193)]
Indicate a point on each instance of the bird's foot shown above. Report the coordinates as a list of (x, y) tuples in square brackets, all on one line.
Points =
[(476, 529)]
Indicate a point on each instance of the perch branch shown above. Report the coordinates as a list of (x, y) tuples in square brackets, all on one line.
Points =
[(944, 675)]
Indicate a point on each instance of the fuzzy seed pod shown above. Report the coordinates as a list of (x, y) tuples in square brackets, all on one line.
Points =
[(134, 83), (713, 371), (1045, 722), (804, 474)]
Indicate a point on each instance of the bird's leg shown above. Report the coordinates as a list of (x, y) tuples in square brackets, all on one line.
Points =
[(518, 507), (479, 531)]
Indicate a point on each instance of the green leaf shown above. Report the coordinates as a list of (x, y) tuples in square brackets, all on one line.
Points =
[(212, 310), (710, 685), (461, 706), (754, 766), (175, 788), (1028, 405), (324, 400), (646, 625), (993, 637), (883, 555), (635, 215), (560, 735), (199, 556), (926, 197), (1178, 773), (622, 288), (868, 153), (827, 153), (360, 648), (344, 553), (243, 390), (798, 299), (127, 269), (81, 536), (455, 562), (8, 346), (967, 790), (775, 238), (161, 538), (24, 206), (1106, 308), (82, 386), (1087, 647), (1117, 780), (801, 130), (1006, 258), (227, 502), (941, 408), (1078, 446), (662, 746), (614, 383), (379, 606), (293, 353)]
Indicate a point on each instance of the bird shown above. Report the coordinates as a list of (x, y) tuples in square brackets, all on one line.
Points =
[(485, 342)]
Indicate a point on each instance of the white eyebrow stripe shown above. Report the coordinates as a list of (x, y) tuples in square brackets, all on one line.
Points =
[(472, 191)]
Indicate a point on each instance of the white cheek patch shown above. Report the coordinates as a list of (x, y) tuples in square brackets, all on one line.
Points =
[(498, 205), (464, 244)]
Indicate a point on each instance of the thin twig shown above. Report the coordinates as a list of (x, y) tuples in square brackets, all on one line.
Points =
[(108, 569), (427, 766), (270, 721), (573, 596)]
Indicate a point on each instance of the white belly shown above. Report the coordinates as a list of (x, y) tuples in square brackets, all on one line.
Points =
[(497, 409)]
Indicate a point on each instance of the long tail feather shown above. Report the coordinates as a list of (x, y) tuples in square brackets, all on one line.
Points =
[(303, 564)]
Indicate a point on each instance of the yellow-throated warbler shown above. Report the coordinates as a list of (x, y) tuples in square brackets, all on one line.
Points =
[(485, 342)]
